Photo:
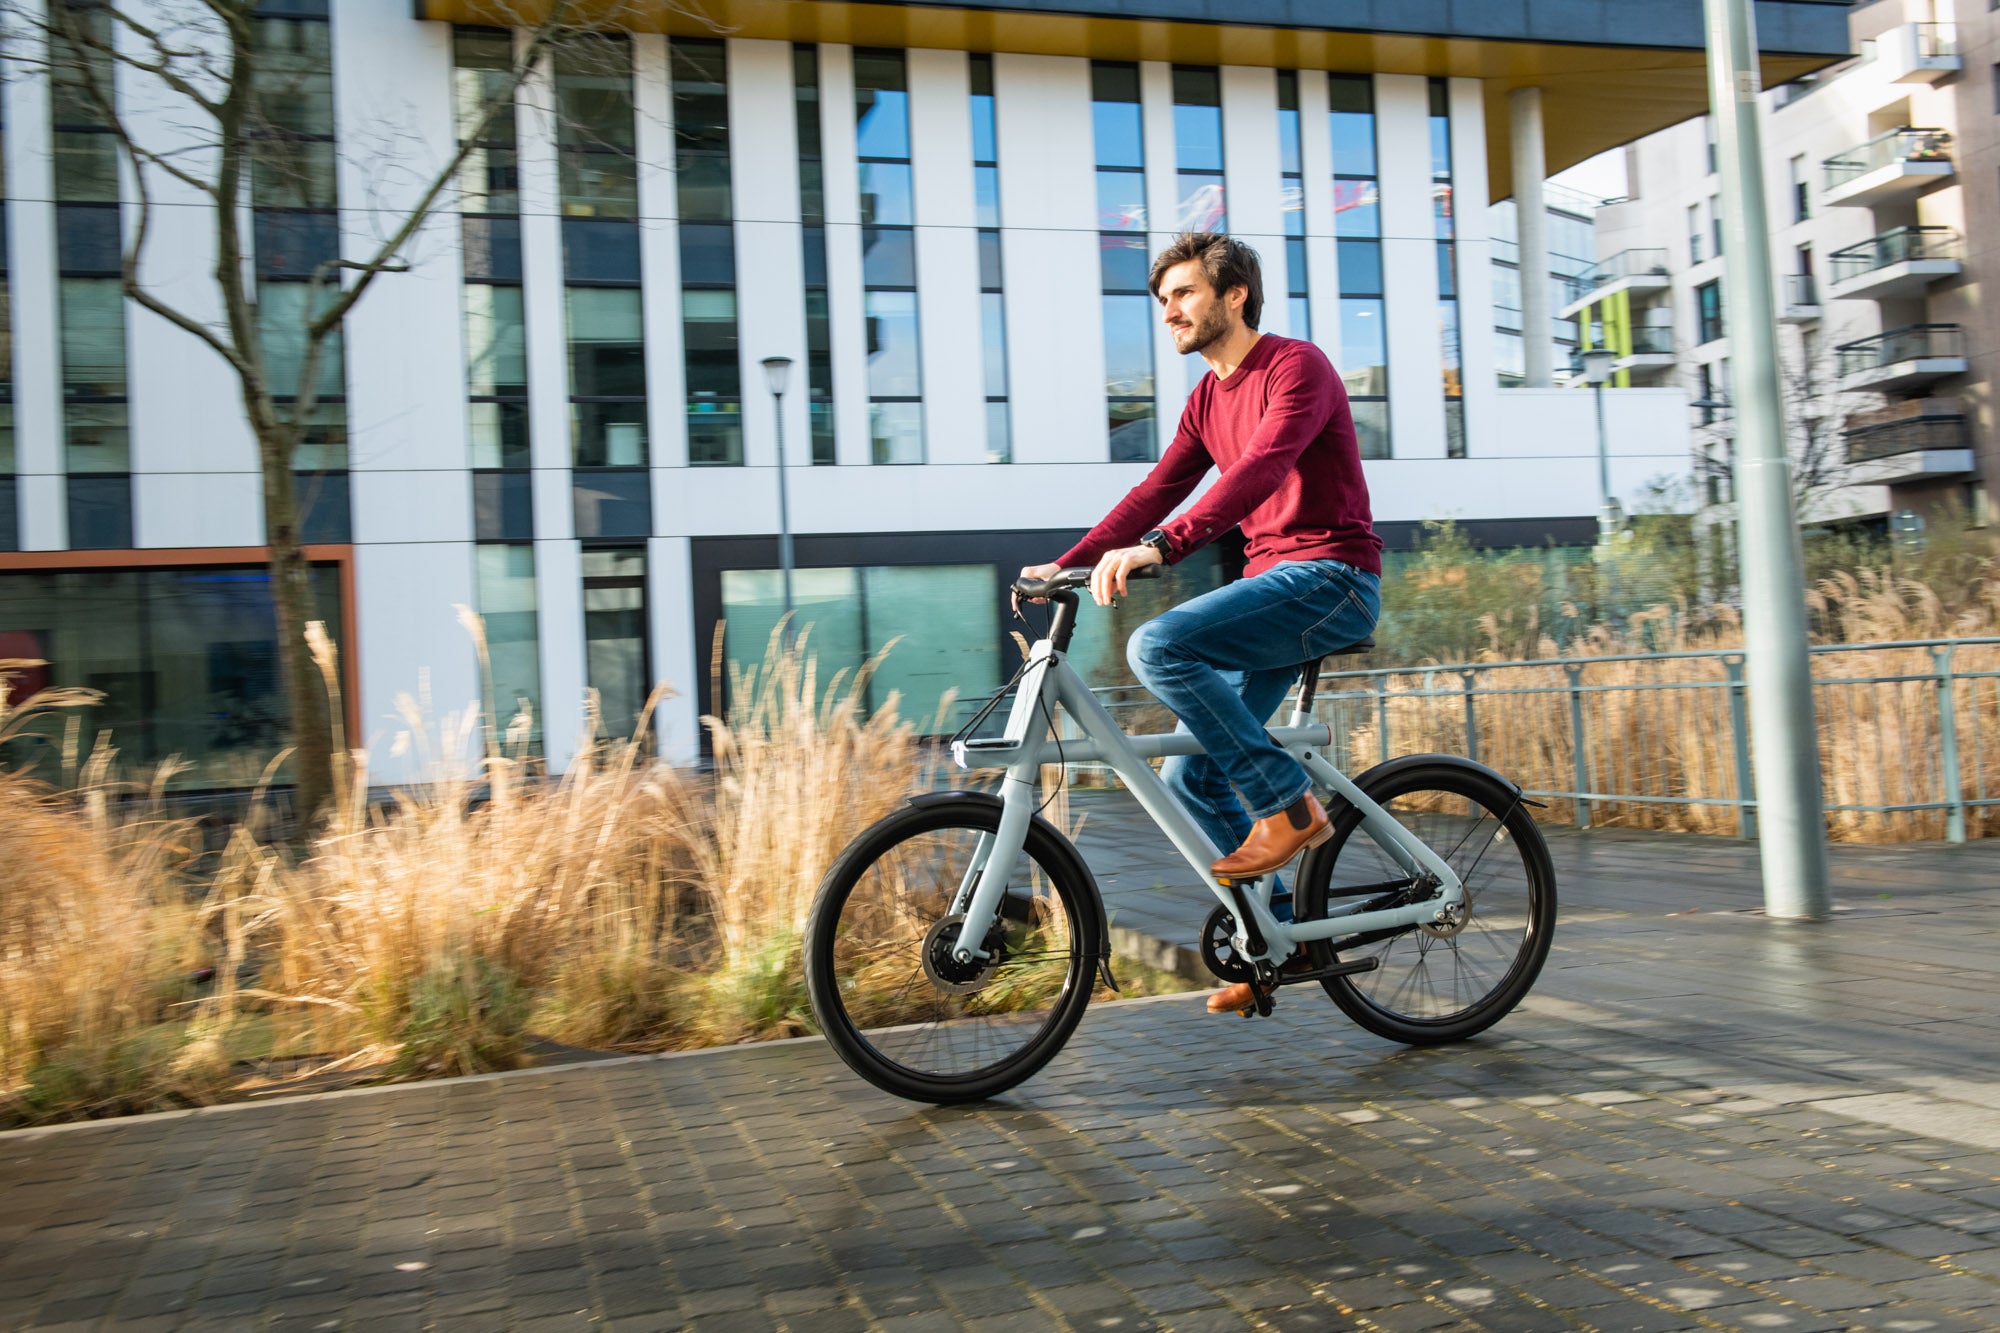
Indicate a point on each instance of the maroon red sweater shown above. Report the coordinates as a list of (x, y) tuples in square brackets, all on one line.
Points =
[(1281, 431)]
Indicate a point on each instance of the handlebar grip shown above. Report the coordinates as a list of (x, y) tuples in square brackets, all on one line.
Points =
[(1036, 590)]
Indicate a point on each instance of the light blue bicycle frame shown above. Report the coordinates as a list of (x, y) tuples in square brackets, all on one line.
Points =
[(1024, 747)]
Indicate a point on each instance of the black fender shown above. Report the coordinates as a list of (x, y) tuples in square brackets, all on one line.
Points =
[(1389, 768), (1065, 848)]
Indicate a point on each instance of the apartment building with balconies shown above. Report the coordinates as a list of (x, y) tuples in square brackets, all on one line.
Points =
[(1881, 177)]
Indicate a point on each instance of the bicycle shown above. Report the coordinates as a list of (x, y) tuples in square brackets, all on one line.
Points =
[(953, 946)]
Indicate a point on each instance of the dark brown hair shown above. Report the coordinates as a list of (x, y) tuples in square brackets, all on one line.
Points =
[(1227, 262)]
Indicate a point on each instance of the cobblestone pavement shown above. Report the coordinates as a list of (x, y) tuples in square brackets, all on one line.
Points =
[(1701, 1119)]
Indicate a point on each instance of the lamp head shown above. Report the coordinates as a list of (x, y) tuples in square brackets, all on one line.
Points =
[(1597, 364), (778, 370)]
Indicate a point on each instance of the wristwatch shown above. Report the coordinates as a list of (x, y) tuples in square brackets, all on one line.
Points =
[(1159, 541)]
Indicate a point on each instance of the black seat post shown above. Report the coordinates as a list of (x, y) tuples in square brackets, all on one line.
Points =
[(1308, 682)]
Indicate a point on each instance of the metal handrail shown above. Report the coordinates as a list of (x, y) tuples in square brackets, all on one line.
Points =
[(1800, 290), (1910, 343), (1631, 263), (1908, 144), (1896, 246)]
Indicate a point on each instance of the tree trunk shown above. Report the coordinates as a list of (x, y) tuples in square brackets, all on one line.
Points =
[(291, 596)]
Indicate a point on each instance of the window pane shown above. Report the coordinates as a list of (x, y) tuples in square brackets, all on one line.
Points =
[(896, 432), (986, 196), (940, 619), (495, 341), (1363, 347), (885, 193), (506, 596), (1113, 82), (1131, 426), (1128, 346), (606, 342), (993, 333), (1360, 268), (293, 173), (600, 250), (93, 337), (593, 78), (499, 434), (1449, 344), (614, 650), (701, 95), (714, 379), (1441, 215), (492, 248), (984, 141), (1197, 136), (608, 434), (86, 167), (598, 183), (1292, 200), (882, 126), (1355, 209), (1123, 262), (888, 257), (1300, 310), (96, 438), (999, 434), (1295, 270), (1447, 271), (100, 513), (1353, 144), (826, 609), (893, 360), (1201, 205), (611, 502), (703, 186), (282, 317), (708, 255), (1371, 427), (989, 260), (1120, 138), (1121, 201), (323, 444), (489, 181), (814, 242)]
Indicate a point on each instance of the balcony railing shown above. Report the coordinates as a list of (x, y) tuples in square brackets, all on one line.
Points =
[(1904, 145), (1891, 438), (1913, 342), (1652, 340), (1935, 41), (1624, 264), (1800, 290), (1894, 247)]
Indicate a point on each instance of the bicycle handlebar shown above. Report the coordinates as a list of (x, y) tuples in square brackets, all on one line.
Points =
[(1038, 590)]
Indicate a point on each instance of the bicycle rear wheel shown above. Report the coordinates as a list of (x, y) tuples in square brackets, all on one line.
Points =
[(1436, 982), (894, 1003)]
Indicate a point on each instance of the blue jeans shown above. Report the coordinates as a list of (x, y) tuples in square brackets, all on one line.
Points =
[(1224, 661)]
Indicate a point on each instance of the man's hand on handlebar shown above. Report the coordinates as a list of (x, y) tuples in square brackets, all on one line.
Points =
[(1035, 574), (1108, 579)]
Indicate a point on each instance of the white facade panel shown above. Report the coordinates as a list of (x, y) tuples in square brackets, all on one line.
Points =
[(406, 598), (1253, 180), (549, 448), (1322, 256), (770, 263), (176, 510), (407, 441), (31, 293), (676, 651), (1048, 200), (846, 316), (1474, 263), (948, 324), (1409, 266), (559, 621)]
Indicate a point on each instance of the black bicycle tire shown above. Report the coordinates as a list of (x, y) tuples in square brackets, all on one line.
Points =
[(1315, 876), (1075, 889)]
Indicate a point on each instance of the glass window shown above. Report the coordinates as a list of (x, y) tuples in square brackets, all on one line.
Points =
[(1201, 206), (993, 329), (885, 194), (93, 337), (614, 637), (714, 378), (1119, 134), (896, 432), (506, 597), (294, 245), (1128, 346), (989, 260), (86, 167), (282, 317), (1131, 430), (1360, 268), (708, 255), (893, 359), (499, 434), (607, 342), (96, 438), (495, 341), (1352, 99), (1124, 262), (882, 120), (986, 196), (999, 432), (1356, 208), (1197, 135), (1121, 200), (1363, 347), (1371, 426), (888, 257), (826, 610)]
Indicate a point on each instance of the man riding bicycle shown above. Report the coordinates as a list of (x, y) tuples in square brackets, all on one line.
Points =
[(1273, 416)]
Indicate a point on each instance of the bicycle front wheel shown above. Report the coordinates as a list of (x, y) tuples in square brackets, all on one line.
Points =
[(1438, 981), (893, 1001)]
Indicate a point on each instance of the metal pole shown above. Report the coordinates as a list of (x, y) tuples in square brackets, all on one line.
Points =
[(784, 514), (1607, 525), (1785, 740)]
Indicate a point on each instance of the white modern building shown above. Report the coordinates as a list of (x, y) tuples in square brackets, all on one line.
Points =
[(941, 215), (1880, 177)]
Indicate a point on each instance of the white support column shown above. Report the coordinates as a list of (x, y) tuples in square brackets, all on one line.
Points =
[(559, 621), (1409, 266), (660, 272), (1048, 201), (847, 323), (953, 343), (1475, 265), (1524, 128), (195, 475), (1253, 181), (770, 260), (675, 644), (1322, 255), (545, 330), (1172, 372), (31, 261)]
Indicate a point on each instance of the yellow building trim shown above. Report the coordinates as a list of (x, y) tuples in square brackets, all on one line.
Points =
[(1593, 97)]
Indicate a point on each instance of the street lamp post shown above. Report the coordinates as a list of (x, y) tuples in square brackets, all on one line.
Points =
[(1597, 364), (1791, 821), (778, 369)]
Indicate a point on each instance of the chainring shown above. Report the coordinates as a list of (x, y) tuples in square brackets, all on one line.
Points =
[(1218, 948)]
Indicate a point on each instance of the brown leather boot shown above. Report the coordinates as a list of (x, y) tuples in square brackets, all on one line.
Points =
[(1236, 999), (1276, 839)]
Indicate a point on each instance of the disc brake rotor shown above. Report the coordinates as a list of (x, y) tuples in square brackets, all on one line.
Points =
[(945, 971)]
